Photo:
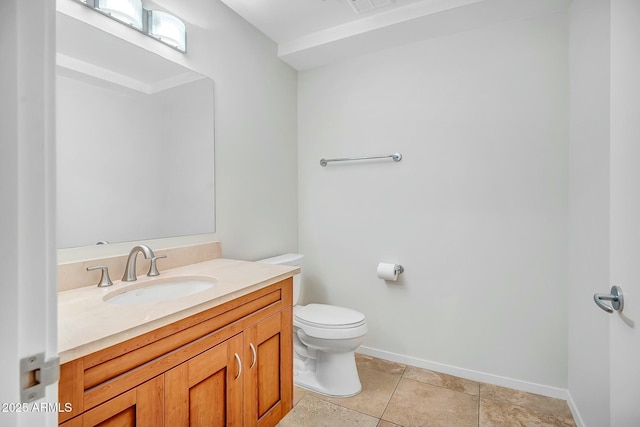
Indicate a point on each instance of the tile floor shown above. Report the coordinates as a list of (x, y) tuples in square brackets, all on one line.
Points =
[(397, 395)]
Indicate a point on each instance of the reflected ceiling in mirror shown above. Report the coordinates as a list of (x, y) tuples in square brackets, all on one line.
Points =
[(135, 141)]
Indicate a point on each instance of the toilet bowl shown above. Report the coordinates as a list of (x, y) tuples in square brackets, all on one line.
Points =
[(325, 338)]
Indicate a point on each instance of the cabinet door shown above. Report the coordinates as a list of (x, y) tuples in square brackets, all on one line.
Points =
[(269, 374), (207, 389), (142, 406)]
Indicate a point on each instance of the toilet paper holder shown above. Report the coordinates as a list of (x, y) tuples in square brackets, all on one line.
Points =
[(389, 271)]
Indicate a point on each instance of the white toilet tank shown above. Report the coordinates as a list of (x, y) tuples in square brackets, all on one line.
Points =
[(289, 259)]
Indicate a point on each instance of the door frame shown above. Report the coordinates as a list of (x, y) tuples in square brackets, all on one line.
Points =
[(28, 307), (624, 337)]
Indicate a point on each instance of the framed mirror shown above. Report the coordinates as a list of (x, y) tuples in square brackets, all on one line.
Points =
[(135, 141)]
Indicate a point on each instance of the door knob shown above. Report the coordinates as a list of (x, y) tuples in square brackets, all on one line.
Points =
[(616, 298)]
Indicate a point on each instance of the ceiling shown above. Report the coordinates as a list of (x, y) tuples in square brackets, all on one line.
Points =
[(287, 20), (312, 33)]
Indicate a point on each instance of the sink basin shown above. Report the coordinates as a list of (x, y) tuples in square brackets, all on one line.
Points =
[(161, 290)]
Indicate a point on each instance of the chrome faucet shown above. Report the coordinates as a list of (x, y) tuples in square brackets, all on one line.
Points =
[(130, 269)]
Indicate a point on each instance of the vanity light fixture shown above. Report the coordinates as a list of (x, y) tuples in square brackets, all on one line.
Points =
[(161, 26), (168, 29), (128, 12)]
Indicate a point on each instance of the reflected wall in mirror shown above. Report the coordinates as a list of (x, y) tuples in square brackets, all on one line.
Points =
[(135, 142)]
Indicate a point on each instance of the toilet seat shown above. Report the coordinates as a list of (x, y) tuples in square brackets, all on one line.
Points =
[(329, 321), (328, 316)]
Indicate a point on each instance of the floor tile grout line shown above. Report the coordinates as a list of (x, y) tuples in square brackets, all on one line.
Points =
[(324, 398), (479, 404), (441, 386), (392, 394)]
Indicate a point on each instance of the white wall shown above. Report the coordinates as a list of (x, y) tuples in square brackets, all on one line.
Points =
[(589, 171), (255, 130), (476, 211)]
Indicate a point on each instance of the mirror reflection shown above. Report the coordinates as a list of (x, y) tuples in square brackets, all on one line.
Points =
[(135, 142)]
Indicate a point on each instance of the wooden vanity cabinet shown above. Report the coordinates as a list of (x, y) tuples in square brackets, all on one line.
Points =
[(221, 387), (233, 367), (207, 389), (268, 381)]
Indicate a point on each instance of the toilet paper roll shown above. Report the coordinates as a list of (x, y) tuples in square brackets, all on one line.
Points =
[(388, 271)]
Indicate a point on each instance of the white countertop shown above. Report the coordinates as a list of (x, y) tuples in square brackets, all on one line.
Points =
[(86, 323)]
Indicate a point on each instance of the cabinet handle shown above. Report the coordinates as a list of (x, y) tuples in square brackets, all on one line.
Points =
[(255, 355), (239, 365)]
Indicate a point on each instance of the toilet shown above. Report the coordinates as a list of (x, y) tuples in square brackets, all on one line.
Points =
[(324, 340)]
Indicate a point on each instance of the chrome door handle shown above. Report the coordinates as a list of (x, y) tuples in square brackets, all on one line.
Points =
[(616, 298)]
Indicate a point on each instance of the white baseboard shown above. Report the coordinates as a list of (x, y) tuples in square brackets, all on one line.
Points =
[(574, 411), (529, 387)]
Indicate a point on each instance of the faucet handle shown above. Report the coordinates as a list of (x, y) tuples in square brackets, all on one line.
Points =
[(105, 280), (153, 269)]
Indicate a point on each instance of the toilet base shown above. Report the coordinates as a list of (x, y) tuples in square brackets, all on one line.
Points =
[(331, 374)]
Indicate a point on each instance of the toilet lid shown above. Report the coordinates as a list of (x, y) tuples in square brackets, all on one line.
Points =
[(329, 316)]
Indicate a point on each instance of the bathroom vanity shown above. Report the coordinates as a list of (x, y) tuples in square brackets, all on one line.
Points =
[(221, 357)]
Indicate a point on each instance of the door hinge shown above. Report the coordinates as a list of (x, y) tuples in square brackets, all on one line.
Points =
[(35, 375)]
